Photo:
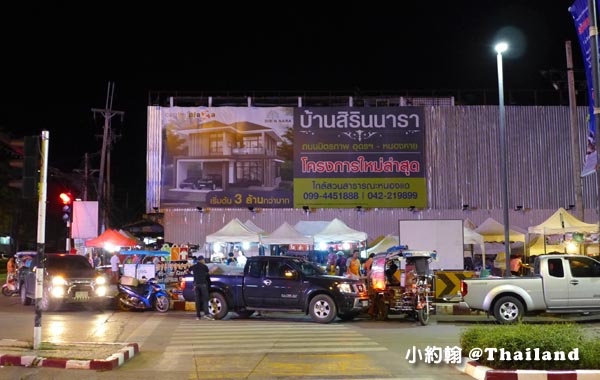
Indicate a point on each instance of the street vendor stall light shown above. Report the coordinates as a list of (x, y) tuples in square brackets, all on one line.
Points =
[(500, 48)]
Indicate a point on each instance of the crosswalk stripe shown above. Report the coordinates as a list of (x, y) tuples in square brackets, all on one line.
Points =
[(275, 344), (269, 334), (237, 337), (240, 337), (299, 350)]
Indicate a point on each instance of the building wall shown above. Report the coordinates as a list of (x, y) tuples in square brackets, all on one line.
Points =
[(463, 168)]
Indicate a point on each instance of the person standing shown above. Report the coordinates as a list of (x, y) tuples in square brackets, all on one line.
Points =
[(241, 259), (201, 287), (354, 265), (231, 259), (114, 268), (97, 261), (368, 264), (11, 267), (331, 260), (341, 263), (515, 265)]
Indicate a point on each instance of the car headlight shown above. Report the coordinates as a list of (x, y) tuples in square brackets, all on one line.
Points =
[(100, 280), (345, 288), (58, 281)]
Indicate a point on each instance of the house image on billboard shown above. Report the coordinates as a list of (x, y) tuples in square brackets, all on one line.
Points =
[(223, 156)]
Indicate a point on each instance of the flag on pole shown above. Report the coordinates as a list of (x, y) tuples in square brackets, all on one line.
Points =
[(581, 16)]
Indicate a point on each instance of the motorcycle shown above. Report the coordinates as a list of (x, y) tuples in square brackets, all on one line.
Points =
[(11, 287), (142, 295)]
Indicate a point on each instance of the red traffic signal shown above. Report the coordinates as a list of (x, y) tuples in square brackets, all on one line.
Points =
[(65, 198)]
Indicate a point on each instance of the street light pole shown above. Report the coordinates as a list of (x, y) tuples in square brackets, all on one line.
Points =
[(501, 48)]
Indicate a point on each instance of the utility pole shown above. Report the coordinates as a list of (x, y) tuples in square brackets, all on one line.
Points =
[(103, 192)]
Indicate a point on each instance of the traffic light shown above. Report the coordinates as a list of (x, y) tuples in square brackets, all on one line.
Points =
[(27, 151), (67, 209)]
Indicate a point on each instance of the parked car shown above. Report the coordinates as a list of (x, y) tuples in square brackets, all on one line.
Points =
[(210, 181), (282, 283), (559, 284), (67, 279)]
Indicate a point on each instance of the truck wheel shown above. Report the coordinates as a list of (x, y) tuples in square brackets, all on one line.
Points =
[(322, 309), (217, 305), (508, 309), (24, 299)]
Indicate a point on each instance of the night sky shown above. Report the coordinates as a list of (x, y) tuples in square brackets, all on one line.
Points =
[(58, 60)]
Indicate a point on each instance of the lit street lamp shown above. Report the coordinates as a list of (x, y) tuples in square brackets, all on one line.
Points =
[(500, 48)]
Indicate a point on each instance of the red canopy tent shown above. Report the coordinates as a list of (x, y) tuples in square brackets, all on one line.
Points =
[(111, 237)]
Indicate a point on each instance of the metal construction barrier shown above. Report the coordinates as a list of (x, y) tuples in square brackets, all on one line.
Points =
[(447, 283)]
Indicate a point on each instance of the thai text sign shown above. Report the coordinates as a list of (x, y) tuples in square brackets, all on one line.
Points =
[(368, 157)]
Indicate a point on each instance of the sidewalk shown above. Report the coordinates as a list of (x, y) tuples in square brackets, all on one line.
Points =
[(80, 355)]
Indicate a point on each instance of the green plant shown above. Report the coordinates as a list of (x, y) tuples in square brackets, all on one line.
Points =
[(533, 342)]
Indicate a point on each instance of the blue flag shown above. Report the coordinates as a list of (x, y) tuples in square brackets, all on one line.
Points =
[(581, 16)]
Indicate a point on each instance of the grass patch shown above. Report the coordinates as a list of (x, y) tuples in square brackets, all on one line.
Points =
[(525, 338)]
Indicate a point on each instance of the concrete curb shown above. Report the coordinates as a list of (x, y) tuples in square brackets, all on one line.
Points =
[(113, 361), (480, 372)]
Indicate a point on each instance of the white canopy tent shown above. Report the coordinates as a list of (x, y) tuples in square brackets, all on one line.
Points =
[(310, 227), (234, 232), (286, 234), (253, 227), (493, 231), (384, 244), (337, 230), (559, 223), (562, 222)]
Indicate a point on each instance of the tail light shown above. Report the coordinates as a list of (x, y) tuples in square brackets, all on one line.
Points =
[(464, 288), (378, 284)]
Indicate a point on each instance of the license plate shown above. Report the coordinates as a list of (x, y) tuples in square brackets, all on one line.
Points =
[(365, 302), (81, 294)]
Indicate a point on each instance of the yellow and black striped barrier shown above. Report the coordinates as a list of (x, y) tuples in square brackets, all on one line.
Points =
[(447, 283)]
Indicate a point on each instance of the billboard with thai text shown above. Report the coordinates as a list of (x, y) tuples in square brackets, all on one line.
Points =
[(367, 157)]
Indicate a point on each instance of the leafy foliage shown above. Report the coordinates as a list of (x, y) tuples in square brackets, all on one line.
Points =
[(525, 338)]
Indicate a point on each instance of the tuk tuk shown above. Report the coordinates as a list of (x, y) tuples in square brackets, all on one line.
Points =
[(394, 292)]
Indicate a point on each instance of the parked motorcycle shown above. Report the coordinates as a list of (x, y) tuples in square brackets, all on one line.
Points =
[(142, 295), (11, 287)]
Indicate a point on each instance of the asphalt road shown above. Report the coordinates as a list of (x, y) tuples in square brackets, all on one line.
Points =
[(273, 346), (276, 345)]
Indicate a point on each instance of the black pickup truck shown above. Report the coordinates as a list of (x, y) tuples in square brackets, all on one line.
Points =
[(282, 283)]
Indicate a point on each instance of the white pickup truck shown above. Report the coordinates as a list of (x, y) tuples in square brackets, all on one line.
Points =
[(558, 284)]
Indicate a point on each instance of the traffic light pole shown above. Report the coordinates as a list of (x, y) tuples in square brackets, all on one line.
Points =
[(41, 241), (68, 242)]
